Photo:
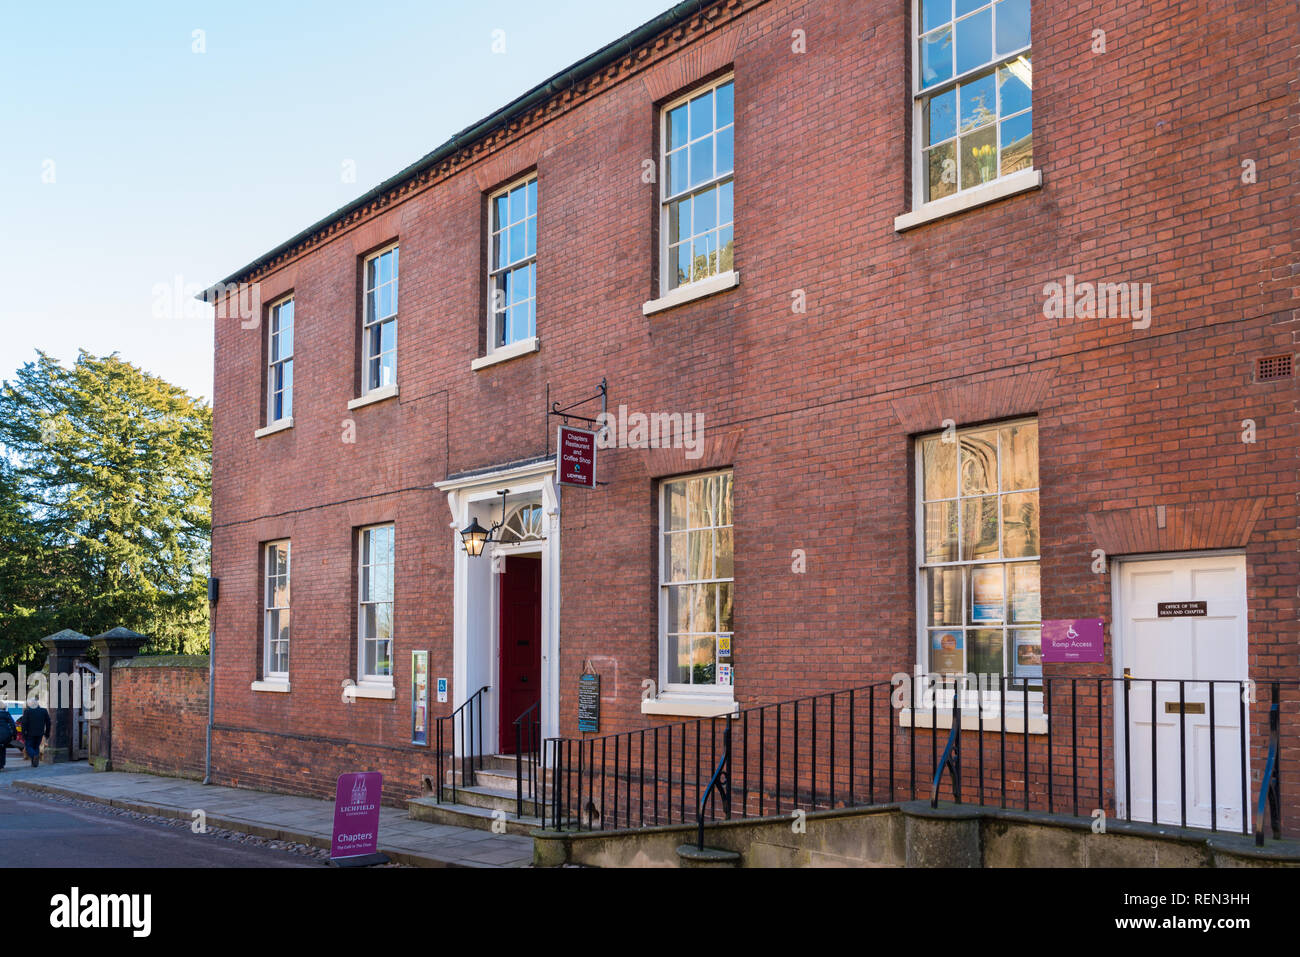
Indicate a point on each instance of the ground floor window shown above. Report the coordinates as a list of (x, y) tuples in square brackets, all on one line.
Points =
[(696, 584), (375, 614), (978, 552), (275, 635)]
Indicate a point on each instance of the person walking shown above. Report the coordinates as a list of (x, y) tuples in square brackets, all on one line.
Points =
[(8, 731), (36, 722)]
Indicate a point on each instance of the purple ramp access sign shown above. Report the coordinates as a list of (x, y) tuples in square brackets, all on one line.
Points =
[(1073, 640), (356, 814)]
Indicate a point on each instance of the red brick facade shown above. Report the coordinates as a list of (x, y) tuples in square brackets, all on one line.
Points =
[(1141, 150)]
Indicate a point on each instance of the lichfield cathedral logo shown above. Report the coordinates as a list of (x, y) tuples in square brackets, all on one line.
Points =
[(359, 792)]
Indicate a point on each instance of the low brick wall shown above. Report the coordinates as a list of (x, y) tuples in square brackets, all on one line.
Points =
[(160, 715)]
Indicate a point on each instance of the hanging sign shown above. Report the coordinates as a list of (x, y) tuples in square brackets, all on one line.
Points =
[(356, 815), (589, 703), (575, 457), (1073, 640)]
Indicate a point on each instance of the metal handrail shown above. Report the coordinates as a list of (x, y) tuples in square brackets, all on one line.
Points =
[(720, 781), (951, 759), (470, 707), (533, 734), (1270, 786)]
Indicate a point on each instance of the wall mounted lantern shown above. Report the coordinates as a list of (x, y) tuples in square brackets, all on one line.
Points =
[(474, 536)]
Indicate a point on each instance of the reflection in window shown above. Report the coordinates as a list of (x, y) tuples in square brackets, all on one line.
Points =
[(975, 92), (375, 591), (698, 200), (697, 580), (513, 252), (379, 322), (979, 551)]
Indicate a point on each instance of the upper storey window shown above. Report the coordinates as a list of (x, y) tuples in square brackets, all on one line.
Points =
[(973, 93), (698, 134)]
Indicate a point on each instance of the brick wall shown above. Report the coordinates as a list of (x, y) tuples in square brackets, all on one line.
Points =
[(160, 715), (1141, 150)]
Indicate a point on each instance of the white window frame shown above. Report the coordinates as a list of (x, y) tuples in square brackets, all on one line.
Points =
[(1015, 696), (271, 362), (362, 677), (268, 637), (368, 387), (665, 278), (676, 688), (983, 192), (496, 320)]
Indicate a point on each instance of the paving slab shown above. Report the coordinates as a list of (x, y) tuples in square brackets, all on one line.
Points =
[(301, 819)]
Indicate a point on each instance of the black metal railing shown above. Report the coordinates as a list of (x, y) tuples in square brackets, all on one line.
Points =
[(528, 773), (1068, 745), (460, 741)]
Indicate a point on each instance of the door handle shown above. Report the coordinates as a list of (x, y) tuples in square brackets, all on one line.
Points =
[(1128, 673)]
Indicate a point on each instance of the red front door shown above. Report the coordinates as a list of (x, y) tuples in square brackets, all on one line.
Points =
[(521, 644)]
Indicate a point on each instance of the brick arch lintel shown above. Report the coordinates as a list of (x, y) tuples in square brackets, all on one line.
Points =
[(1221, 523), (717, 451), (971, 401)]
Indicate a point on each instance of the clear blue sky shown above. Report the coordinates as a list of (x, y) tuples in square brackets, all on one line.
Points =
[(168, 163)]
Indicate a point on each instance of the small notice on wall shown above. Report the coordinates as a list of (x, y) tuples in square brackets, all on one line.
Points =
[(1180, 609), (1073, 640), (589, 703)]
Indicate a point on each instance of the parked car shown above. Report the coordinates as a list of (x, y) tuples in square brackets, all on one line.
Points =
[(15, 709)]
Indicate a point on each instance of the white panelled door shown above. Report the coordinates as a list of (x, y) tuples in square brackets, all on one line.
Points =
[(1197, 645)]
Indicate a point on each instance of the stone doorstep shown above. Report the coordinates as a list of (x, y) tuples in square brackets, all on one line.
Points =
[(398, 851)]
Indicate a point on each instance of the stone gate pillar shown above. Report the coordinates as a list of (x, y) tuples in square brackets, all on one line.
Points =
[(120, 644), (63, 649)]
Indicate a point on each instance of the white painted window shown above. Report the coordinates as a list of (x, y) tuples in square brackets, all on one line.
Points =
[(973, 91), (279, 372), (379, 321), (512, 261), (375, 596), (696, 584), (697, 195), (978, 552), (275, 634)]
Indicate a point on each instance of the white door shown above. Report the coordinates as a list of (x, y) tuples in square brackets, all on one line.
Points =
[(1198, 636)]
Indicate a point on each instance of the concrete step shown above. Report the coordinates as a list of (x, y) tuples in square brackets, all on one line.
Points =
[(490, 799), (468, 815), (504, 780)]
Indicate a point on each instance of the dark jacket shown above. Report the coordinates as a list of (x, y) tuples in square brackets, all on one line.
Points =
[(7, 730), (36, 721)]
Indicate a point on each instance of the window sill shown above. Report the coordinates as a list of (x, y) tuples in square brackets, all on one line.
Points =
[(504, 354), (273, 428), (696, 290), (375, 395), (689, 706), (1019, 182), (280, 685), (970, 721), (383, 692)]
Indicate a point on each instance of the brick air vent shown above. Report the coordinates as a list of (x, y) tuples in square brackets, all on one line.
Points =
[(1268, 368)]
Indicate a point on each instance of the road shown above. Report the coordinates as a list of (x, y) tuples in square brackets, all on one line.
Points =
[(37, 831)]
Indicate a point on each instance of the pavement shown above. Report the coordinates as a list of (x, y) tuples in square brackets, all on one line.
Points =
[(277, 817)]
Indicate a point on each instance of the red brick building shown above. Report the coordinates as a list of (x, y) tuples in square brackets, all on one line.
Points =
[(983, 322)]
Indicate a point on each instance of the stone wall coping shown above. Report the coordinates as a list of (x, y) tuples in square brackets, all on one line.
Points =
[(164, 661)]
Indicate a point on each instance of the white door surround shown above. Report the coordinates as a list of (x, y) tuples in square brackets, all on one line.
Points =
[(1159, 651), (477, 590)]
